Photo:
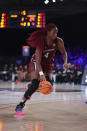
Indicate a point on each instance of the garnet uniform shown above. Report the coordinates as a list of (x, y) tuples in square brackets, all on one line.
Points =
[(37, 40), (48, 54)]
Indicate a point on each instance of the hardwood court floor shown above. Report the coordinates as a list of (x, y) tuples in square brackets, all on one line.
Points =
[(62, 111)]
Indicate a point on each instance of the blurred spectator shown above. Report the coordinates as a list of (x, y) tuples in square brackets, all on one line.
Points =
[(10, 71), (4, 73), (77, 57), (5, 67), (59, 75), (20, 73), (25, 73)]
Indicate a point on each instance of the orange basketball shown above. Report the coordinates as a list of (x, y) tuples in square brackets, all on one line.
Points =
[(45, 87)]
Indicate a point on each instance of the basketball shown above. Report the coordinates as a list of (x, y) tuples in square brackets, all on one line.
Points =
[(45, 87)]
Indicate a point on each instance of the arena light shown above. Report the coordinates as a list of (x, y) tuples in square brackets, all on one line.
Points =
[(61, 0), (54, 1), (46, 2), (25, 50)]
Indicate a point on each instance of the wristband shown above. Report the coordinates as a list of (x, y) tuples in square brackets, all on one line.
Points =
[(41, 73)]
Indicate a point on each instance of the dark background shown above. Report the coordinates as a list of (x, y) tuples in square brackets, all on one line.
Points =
[(73, 30), (70, 16)]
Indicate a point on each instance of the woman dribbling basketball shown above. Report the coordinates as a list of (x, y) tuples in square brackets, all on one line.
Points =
[(46, 43)]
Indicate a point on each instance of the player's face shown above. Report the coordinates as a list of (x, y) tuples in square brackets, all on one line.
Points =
[(53, 33)]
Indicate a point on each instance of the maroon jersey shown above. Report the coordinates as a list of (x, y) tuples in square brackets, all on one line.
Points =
[(48, 54)]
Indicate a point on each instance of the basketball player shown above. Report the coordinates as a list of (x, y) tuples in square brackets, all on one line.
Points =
[(46, 43)]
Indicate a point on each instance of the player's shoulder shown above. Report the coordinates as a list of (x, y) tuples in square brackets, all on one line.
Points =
[(59, 40)]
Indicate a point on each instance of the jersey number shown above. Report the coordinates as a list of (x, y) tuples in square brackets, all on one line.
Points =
[(46, 55)]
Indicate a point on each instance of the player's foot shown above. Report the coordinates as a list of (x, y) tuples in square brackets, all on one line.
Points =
[(20, 107)]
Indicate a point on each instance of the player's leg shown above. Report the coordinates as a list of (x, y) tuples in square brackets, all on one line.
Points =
[(31, 89), (33, 86), (35, 83)]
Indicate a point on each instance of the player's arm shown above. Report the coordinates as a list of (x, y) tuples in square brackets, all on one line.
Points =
[(38, 54), (62, 50)]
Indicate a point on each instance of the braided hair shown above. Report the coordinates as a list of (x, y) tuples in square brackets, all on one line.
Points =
[(36, 39)]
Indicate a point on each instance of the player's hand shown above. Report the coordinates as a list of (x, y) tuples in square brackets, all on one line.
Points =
[(66, 65), (42, 78)]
